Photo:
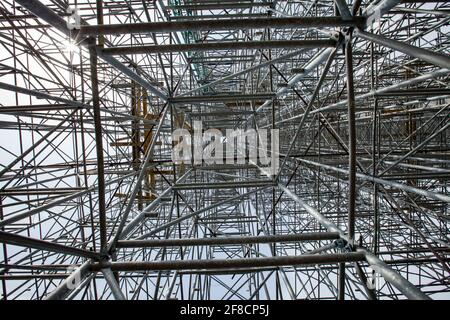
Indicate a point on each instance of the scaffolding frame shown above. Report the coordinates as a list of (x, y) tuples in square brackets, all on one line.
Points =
[(93, 207)]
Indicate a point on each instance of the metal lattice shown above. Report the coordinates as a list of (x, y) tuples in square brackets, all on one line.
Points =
[(93, 207)]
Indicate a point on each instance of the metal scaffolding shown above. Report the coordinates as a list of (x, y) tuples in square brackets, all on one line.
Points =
[(92, 205)]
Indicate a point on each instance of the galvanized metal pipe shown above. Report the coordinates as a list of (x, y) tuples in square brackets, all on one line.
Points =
[(309, 67), (113, 285), (214, 46), (401, 84), (232, 263), (222, 24), (53, 19), (98, 146), (70, 283), (22, 241), (29, 213), (196, 213), (227, 240), (432, 57), (400, 186), (351, 137), (221, 98), (245, 71), (390, 275)]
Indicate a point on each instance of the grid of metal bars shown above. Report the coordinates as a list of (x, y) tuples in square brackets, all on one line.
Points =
[(93, 207)]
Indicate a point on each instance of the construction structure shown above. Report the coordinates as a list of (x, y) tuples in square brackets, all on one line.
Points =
[(92, 205)]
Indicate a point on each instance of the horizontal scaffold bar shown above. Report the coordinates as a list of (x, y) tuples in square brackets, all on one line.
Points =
[(218, 24)]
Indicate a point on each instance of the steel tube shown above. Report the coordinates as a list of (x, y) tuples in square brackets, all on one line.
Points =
[(227, 240), (308, 108), (113, 285), (70, 283), (41, 95), (222, 24), (371, 94), (351, 138), (98, 147), (432, 57), (212, 46), (131, 74), (400, 186), (341, 281), (221, 98), (53, 19), (141, 173), (318, 59), (29, 213), (196, 213), (245, 71), (393, 277), (223, 185), (390, 275), (376, 10), (22, 241), (37, 143), (65, 104), (233, 263), (42, 11)]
